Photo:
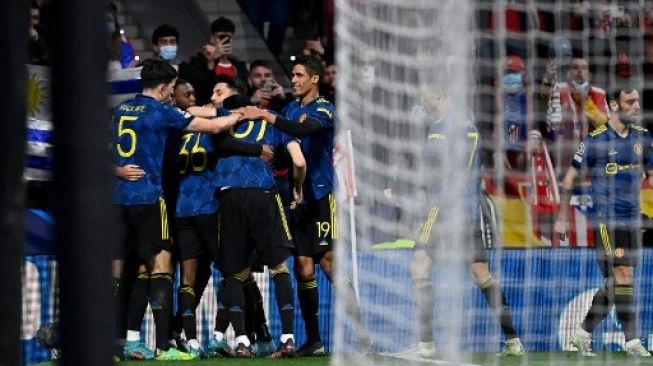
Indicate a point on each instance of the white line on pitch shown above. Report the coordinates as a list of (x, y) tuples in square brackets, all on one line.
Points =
[(426, 360)]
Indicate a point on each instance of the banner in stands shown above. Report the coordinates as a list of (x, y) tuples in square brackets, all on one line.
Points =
[(548, 290)]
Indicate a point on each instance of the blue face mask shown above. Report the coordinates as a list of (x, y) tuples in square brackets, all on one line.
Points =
[(168, 52), (513, 83)]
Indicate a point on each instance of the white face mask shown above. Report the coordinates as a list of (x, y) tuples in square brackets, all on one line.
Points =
[(168, 52), (513, 82), (581, 87)]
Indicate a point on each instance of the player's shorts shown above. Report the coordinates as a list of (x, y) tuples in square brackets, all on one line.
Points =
[(616, 246), (196, 235), (251, 219), (471, 246), (315, 227), (145, 226)]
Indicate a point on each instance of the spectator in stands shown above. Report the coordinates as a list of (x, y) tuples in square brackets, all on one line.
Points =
[(575, 107), (560, 55), (36, 46), (264, 91), (215, 59), (121, 55), (274, 11), (515, 122), (328, 88), (331, 74), (165, 39)]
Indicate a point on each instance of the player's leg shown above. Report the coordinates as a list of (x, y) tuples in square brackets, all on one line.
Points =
[(218, 342), (155, 246), (233, 260), (626, 256), (286, 304), (309, 301), (234, 301), (135, 313), (495, 297), (249, 310), (314, 229), (134, 347), (604, 297), (274, 245), (483, 278), (120, 290), (190, 232), (264, 344), (422, 285)]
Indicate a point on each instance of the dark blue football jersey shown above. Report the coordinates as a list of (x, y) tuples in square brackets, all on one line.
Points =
[(197, 169), (247, 171), (140, 129), (317, 148), (615, 166), (445, 137)]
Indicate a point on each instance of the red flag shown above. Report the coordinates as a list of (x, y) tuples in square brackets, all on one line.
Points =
[(343, 161)]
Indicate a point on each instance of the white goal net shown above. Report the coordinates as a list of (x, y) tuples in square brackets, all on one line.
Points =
[(532, 78)]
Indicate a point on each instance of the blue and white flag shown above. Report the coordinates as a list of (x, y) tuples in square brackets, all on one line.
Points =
[(124, 84), (39, 126)]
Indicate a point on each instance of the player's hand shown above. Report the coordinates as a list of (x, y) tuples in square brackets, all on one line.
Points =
[(250, 113), (561, 228), (267, 153), (297, 198), (259, 96), (130, 172)]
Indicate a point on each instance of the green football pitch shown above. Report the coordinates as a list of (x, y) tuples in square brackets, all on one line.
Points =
[(530, 359)]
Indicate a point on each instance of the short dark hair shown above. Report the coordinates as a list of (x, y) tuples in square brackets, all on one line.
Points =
[(312, 64), (156, 72), (223, 24), (180, 82), (231, 83), (615, 94), (261, 63), (35, 5), (164, 30)]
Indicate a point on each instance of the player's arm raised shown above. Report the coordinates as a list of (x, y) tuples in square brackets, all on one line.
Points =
[(299, 171), (304, 129), (215, 125)]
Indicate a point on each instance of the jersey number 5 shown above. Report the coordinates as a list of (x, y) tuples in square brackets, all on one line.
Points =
[(122, 130)]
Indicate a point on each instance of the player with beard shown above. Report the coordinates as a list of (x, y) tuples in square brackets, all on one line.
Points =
[(615, 156)]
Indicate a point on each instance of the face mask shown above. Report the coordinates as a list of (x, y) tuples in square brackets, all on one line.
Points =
[(111, 28), (168, 52), (581, 87), (513, 83)]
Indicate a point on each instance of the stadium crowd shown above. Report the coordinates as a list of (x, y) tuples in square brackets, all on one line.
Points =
[(195, 155)]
